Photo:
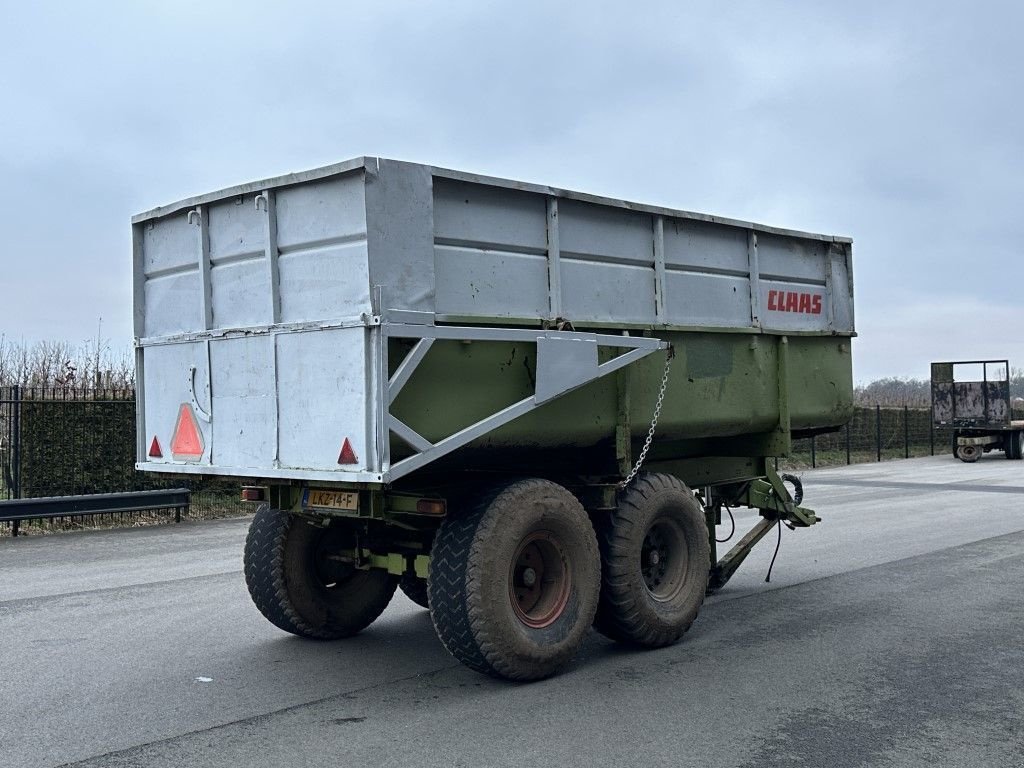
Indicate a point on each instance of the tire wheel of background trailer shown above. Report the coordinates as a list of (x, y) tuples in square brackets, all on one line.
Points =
[(299, 589), (1013, 443), (514, 582), (415, 589), (656, 562), (968, 453)]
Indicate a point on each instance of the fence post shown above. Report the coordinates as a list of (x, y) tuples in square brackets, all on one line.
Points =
[(906, 433), (15, 451), (878, 432), (16, 443), (847, 443), (931, 434)]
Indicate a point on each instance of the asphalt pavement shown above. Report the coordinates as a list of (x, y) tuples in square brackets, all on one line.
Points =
[(889, 635)]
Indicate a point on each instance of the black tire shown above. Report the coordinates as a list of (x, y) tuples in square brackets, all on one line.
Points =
[(656, 562), (1014, 445), (968, 453), (415, 589), (487, 611), (300, 591)]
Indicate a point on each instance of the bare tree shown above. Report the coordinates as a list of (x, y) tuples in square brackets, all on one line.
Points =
[(92, 365)]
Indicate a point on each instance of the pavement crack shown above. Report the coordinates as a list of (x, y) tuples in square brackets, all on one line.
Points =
[(254, 719), (108, 590)]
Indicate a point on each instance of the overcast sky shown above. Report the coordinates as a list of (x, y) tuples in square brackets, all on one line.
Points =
[(898, 124)]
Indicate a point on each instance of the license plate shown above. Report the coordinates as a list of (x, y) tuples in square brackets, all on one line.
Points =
[(347, 500)]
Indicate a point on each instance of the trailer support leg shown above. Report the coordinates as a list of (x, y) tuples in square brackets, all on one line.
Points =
[(726, 567), (771, 497)]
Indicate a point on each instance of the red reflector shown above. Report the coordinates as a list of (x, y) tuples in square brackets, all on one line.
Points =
[(347, 456), (154, 449), (430, 507), (187, 443), (250, 493)]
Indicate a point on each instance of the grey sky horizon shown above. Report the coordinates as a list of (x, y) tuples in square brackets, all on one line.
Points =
[(896, 124)]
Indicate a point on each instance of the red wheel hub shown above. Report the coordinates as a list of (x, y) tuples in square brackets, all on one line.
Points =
[(539, 580)]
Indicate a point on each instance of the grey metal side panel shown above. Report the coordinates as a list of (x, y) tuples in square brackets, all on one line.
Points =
[(321, 239), (170, 278), (842, 288), (400, 235), (701, 299), (244, 413), (166, 387), (501, 252), (172, 304), (239, 275), (322, 399), (607, 264), (707, 274), (490, 251), (486, 283), (697, 246), (596, 292), (792, 259)]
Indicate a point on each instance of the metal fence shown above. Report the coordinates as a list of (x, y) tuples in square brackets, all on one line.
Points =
[(63, 441), (66, 441), (874, 434)]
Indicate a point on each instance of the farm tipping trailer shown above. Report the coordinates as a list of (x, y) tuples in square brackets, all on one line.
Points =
[(449, 383), (973, 397)]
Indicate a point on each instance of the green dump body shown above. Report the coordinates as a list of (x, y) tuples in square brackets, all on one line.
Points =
[(728, 394)]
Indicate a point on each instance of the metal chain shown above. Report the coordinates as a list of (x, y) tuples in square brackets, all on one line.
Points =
[(654, 423)]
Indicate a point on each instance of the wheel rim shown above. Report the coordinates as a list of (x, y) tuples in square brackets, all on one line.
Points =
[(664, 558), (539, 580), (968, 452)]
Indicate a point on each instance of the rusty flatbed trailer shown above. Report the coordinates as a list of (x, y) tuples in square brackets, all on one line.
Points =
[(978, 409)]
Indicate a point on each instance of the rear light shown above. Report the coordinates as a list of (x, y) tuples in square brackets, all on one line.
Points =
[(253, 493), (431, 507)]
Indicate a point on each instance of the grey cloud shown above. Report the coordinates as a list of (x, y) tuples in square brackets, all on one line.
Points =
[(895, 123)]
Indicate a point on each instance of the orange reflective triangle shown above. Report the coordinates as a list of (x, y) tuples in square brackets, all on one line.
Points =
[(347, 456), (187, 442), (154, 449)]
